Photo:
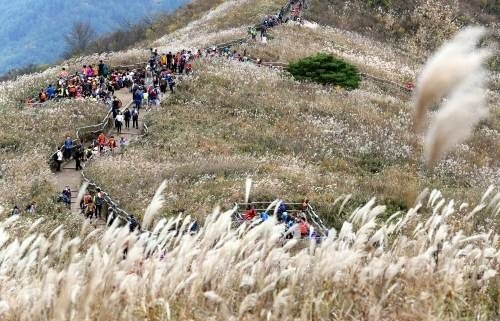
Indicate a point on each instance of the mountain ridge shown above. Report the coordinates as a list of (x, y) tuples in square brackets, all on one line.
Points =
[(32, 36)]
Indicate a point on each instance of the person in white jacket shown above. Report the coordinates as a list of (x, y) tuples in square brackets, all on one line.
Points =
[(119, 122), (59, 159)]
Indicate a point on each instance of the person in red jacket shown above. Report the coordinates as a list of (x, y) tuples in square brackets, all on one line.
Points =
[(101, 140), (250, 213), (304, 227), (112, 143)]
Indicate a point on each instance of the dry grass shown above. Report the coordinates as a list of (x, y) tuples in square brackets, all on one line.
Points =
[(232, 120), (425, 264), (32, 134), (292, 42)]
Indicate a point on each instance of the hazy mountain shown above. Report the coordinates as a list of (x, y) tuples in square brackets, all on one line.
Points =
[(33, 30)]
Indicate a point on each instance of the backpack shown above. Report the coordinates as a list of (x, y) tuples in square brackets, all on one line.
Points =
[(282, 208), (54, 157), (132, 224), (97, 199)]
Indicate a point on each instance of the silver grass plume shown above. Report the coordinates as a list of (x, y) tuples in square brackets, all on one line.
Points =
[(455, 121), (156, 204), (455, 70), (449, 66), (248, 187)]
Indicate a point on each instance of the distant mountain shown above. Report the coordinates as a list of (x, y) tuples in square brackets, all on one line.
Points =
[(33, 31)]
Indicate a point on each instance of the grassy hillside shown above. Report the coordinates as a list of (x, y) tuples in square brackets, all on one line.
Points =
[(296, 140), (28, 138), (418, 26)]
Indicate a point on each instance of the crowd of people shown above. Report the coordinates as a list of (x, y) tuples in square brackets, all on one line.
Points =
[(91, 81), (92, 205), (295, 222)]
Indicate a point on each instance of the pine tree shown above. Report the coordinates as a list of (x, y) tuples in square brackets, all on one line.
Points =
[(327, 70)]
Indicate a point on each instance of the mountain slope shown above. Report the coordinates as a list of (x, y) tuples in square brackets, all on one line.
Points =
[(33, 31)]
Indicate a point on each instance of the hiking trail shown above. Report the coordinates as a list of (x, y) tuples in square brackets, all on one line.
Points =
[(69, 176)]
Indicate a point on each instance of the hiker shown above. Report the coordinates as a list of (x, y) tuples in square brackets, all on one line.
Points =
[(98, 201), (133, 224), (122, 143), (171, 83), (68, 147), (135, 119), (145, 98), (112, 143), (66, 196), (282, 214), (71, 90), (51, 92), (90, 210), (88, 153), (101, 140), (31, 208), (119, 122), (169, 60), (103, 69), (138, 98), (87, 205), (250, 213), (127, 116), (63, 74), (58, 157), (15, 211), (78, 155), (153, 96), (117, 104), (303, 227), (42, 96), (305, 204), (253, 32)]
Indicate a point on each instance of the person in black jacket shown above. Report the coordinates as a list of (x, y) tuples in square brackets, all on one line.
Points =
[(78, 155), (127, 116)]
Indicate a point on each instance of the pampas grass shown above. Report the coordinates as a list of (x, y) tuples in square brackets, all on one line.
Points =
[(156, 204), (455, 70), (248, 188), (456, 119), (370, 270), (449, 66)]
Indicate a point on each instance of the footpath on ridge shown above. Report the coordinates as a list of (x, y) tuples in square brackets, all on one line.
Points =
[(69, 176)]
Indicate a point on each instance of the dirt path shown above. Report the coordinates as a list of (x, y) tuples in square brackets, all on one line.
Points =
[(69, 176)]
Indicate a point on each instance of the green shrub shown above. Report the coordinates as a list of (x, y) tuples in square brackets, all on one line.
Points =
[(326, 69), (385, 4)]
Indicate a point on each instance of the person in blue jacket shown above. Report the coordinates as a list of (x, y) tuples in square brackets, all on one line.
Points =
[(68, 147), (51, 91)]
